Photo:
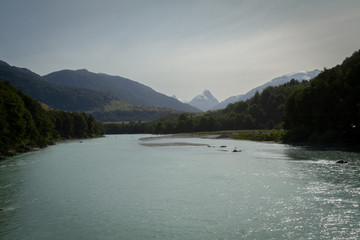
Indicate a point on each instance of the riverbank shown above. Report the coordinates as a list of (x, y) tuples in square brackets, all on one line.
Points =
[(34, 148), (252, 135), (272, 136), (23, 149), (269, 136)]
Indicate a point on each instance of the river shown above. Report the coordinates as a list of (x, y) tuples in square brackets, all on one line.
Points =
[(125, 187)]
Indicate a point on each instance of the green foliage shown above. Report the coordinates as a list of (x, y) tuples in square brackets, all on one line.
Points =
[(121, 88), (263, 111), (262, 135), (75, 125), (298, 134), (329, 108), (25, 124), (130, 113), (101, 104), (127, 128), (14, 118), (58, 97)]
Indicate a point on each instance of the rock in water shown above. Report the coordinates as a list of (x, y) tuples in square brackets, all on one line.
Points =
[(341, 161)]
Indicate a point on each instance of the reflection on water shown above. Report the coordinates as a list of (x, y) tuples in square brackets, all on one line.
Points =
[(116, 188), (332, 191)]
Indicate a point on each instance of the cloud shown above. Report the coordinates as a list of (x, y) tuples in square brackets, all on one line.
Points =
[(226, 46)]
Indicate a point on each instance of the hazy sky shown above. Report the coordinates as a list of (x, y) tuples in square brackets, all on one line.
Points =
[(180, 47)]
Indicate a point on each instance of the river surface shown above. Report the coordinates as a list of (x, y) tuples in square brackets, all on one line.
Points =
[(122, 187)]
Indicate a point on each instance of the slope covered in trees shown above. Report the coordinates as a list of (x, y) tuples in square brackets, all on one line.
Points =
[(24, 124), (58, 97), (328, 110), (263, 111), (324, 110), (102, 105), (122, 88)]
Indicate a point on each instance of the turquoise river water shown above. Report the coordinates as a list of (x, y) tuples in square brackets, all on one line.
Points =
[(125, 187)]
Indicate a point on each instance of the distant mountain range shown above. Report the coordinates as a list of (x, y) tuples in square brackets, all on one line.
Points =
[(204, 101), (274, 82), (58, 97), (114, 98), (101, 103), (122, 88)]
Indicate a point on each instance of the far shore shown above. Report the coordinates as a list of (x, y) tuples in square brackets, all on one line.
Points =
[(206, 135), (151, 141), (255, 135), (31, 148), (184, 135)]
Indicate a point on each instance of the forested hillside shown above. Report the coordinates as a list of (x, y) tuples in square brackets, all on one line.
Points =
[(122, 88), (25, 125), (263, 111), (101, 105), (328, 110), (58, 97), (304, 75), (324, 110)]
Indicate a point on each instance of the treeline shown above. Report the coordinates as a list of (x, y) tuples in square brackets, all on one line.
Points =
[(143, 113), (263, 111), (324, 110), (328, 110), (25, 124)]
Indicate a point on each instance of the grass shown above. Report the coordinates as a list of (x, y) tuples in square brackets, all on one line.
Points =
[(117, 105), (254, 135), (262, 135)]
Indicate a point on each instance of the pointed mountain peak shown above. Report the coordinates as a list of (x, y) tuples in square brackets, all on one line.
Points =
[(206, 92), (208, 95), (204, 101)]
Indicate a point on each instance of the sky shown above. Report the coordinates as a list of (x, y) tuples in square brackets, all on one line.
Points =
[(180, 47)]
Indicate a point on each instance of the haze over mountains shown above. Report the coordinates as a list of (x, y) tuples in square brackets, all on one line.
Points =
[(206, 101), (122, 88), (102, 104), (114, 98), (306, 75)]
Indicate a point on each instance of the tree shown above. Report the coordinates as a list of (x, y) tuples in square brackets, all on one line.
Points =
[(329, 108)]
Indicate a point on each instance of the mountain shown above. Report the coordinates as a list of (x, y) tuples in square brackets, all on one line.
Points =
[(175, 97), (122, 88), (102, 106), (204, 101), (58, 97), (274, 82)]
